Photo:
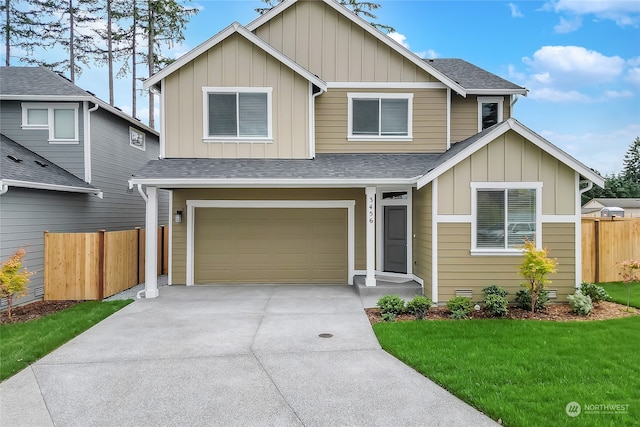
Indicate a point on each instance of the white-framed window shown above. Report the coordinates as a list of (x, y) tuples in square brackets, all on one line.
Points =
[(490, 111), (237, 114), (60, 119), (380, 116), (505, 214), (137, 139)]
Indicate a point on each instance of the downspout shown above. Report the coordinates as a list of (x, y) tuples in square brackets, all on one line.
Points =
[(87, 141), (144, 196), (3, 188), (514, 99), (578, 238), (315, 92)]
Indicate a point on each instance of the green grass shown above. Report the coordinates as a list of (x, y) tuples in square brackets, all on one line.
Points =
[(23, 343), (525, 372), (618, 292)]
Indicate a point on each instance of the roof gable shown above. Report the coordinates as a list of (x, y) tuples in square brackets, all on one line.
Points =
[(466, 148), (234, 28)]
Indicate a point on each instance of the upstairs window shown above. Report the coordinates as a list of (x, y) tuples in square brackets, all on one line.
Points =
[(505, 217), (380, 116), (137, 139), (61, 120), (237, 114), (489, 111)]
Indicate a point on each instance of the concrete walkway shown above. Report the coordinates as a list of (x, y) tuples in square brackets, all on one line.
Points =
[(223, 356)]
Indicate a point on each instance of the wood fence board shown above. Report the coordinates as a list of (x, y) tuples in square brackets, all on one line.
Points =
[(120, 261)]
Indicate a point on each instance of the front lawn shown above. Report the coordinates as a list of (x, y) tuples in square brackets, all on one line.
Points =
[(618, 292), (23, 343), (525, 372)]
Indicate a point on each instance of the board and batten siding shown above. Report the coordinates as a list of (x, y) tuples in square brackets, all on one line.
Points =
[(423, 235), (457, 269), (429, 123), (464, 115), (26, 213), (236, 62), (509, 158), (180, 197), (67, 156), (334, 48)]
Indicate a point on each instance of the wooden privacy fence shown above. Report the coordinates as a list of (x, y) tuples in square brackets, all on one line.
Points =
[(605, 242), (93, 266)]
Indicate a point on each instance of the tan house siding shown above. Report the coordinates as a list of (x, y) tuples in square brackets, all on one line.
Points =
[(458, 269), (236, 62), (509, 158), (422, 230), (180, 197), (330, 45), (429, 124), (464, 115)]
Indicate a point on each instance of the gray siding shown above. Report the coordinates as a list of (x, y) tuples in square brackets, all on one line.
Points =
[(25, 214), (67, 156)]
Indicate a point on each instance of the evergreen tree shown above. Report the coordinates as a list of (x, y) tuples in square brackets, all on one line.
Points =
[(21, 27), (631, 162)]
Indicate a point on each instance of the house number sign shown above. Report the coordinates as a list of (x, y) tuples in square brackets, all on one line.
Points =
[(371, 203)]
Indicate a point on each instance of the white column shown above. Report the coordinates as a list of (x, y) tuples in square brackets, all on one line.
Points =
[(371, 236), (151, 240)]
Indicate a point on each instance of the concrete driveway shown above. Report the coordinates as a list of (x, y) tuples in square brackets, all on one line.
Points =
[(230, 355)]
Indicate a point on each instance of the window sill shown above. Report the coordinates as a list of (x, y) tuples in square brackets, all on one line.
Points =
[(380, 138), (64, 141), (238, 140), (496, 252)]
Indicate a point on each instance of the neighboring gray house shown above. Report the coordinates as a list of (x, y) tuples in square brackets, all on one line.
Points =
[(631, 206), (66, 157)]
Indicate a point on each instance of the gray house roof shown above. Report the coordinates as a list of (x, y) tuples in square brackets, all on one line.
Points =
[(474, 79), (625, 203), (20, 167)]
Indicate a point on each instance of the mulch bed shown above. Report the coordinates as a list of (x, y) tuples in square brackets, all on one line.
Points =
[(35, 310), (553, 312)]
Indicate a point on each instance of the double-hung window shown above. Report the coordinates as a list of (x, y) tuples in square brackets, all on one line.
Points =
[(60, 119), (489, 111), (505, 216), (237, 114), (380, 116)]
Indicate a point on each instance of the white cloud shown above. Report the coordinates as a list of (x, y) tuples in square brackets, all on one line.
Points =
[(615, 94), (622, 12), (568, 25), (558, 95), (515, 12), (633, 76), (402, 40)]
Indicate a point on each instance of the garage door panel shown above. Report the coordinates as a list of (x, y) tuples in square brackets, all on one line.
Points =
[(272, 245)]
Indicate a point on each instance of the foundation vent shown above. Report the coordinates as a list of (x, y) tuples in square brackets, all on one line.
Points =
[(468, 293), (553, 293)]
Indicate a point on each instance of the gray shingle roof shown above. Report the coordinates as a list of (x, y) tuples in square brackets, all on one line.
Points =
[(470, 76), (27, 170), (36, 81), (629, 203)]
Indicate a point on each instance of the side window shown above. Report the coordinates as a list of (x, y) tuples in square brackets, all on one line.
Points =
[(490, 111), (61, 120), (137, 139), (384, 117)]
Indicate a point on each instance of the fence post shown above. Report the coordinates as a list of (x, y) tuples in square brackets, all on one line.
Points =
[(596, 238), (101, 259)]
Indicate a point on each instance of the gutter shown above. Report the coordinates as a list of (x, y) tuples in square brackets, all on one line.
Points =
[(6, 183), (266, 183)]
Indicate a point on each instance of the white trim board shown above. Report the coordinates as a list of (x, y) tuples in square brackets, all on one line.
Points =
[(264, 204)]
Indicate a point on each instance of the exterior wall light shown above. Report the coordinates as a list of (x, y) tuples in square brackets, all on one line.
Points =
[(178, 217)]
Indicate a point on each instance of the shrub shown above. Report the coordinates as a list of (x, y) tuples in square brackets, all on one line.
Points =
[(460, 307), (630, 272), (595, 292), (13, 281), (535, 267), (580, 303), (419, 306), (390, 307), (496, 305), (523, 300), (494, 290)]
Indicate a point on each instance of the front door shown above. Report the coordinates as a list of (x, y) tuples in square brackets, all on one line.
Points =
[(395, 239)]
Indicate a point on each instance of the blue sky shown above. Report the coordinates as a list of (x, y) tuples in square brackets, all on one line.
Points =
[(580, 60)]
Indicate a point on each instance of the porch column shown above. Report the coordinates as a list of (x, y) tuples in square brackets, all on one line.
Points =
[(371, 236), (151, 247)]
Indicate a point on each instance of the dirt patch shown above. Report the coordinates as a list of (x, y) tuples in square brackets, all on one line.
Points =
[(35, 310), (554, 312)]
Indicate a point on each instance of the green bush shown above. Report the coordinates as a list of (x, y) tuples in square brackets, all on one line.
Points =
[(494, 290), (496, 305), (523, 300), (595, 292), (460, 307), (580, 303), (390, 307), (419, 306)]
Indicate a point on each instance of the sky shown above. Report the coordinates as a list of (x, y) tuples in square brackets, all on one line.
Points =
[(580, 60)]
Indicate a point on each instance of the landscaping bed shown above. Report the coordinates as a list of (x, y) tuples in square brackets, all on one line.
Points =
[(35, 310)]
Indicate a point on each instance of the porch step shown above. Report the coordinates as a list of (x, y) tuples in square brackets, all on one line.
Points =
[(371, 294)]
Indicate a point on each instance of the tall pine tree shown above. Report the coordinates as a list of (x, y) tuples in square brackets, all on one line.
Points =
[(631, 162)]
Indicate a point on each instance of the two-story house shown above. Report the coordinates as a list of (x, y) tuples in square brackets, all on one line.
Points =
[(65, 158), (308, 147)]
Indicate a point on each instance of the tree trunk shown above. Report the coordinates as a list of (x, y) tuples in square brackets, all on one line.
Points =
[(134, 100), (7, 33), (151, 62), (72, 63), (110, 52)]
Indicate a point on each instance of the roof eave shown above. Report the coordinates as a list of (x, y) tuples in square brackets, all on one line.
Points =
[(269, 183), (521, 91), (6, 183)]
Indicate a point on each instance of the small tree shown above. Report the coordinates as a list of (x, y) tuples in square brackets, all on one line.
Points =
[(13, 282), (534, 268), (630, 273)]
